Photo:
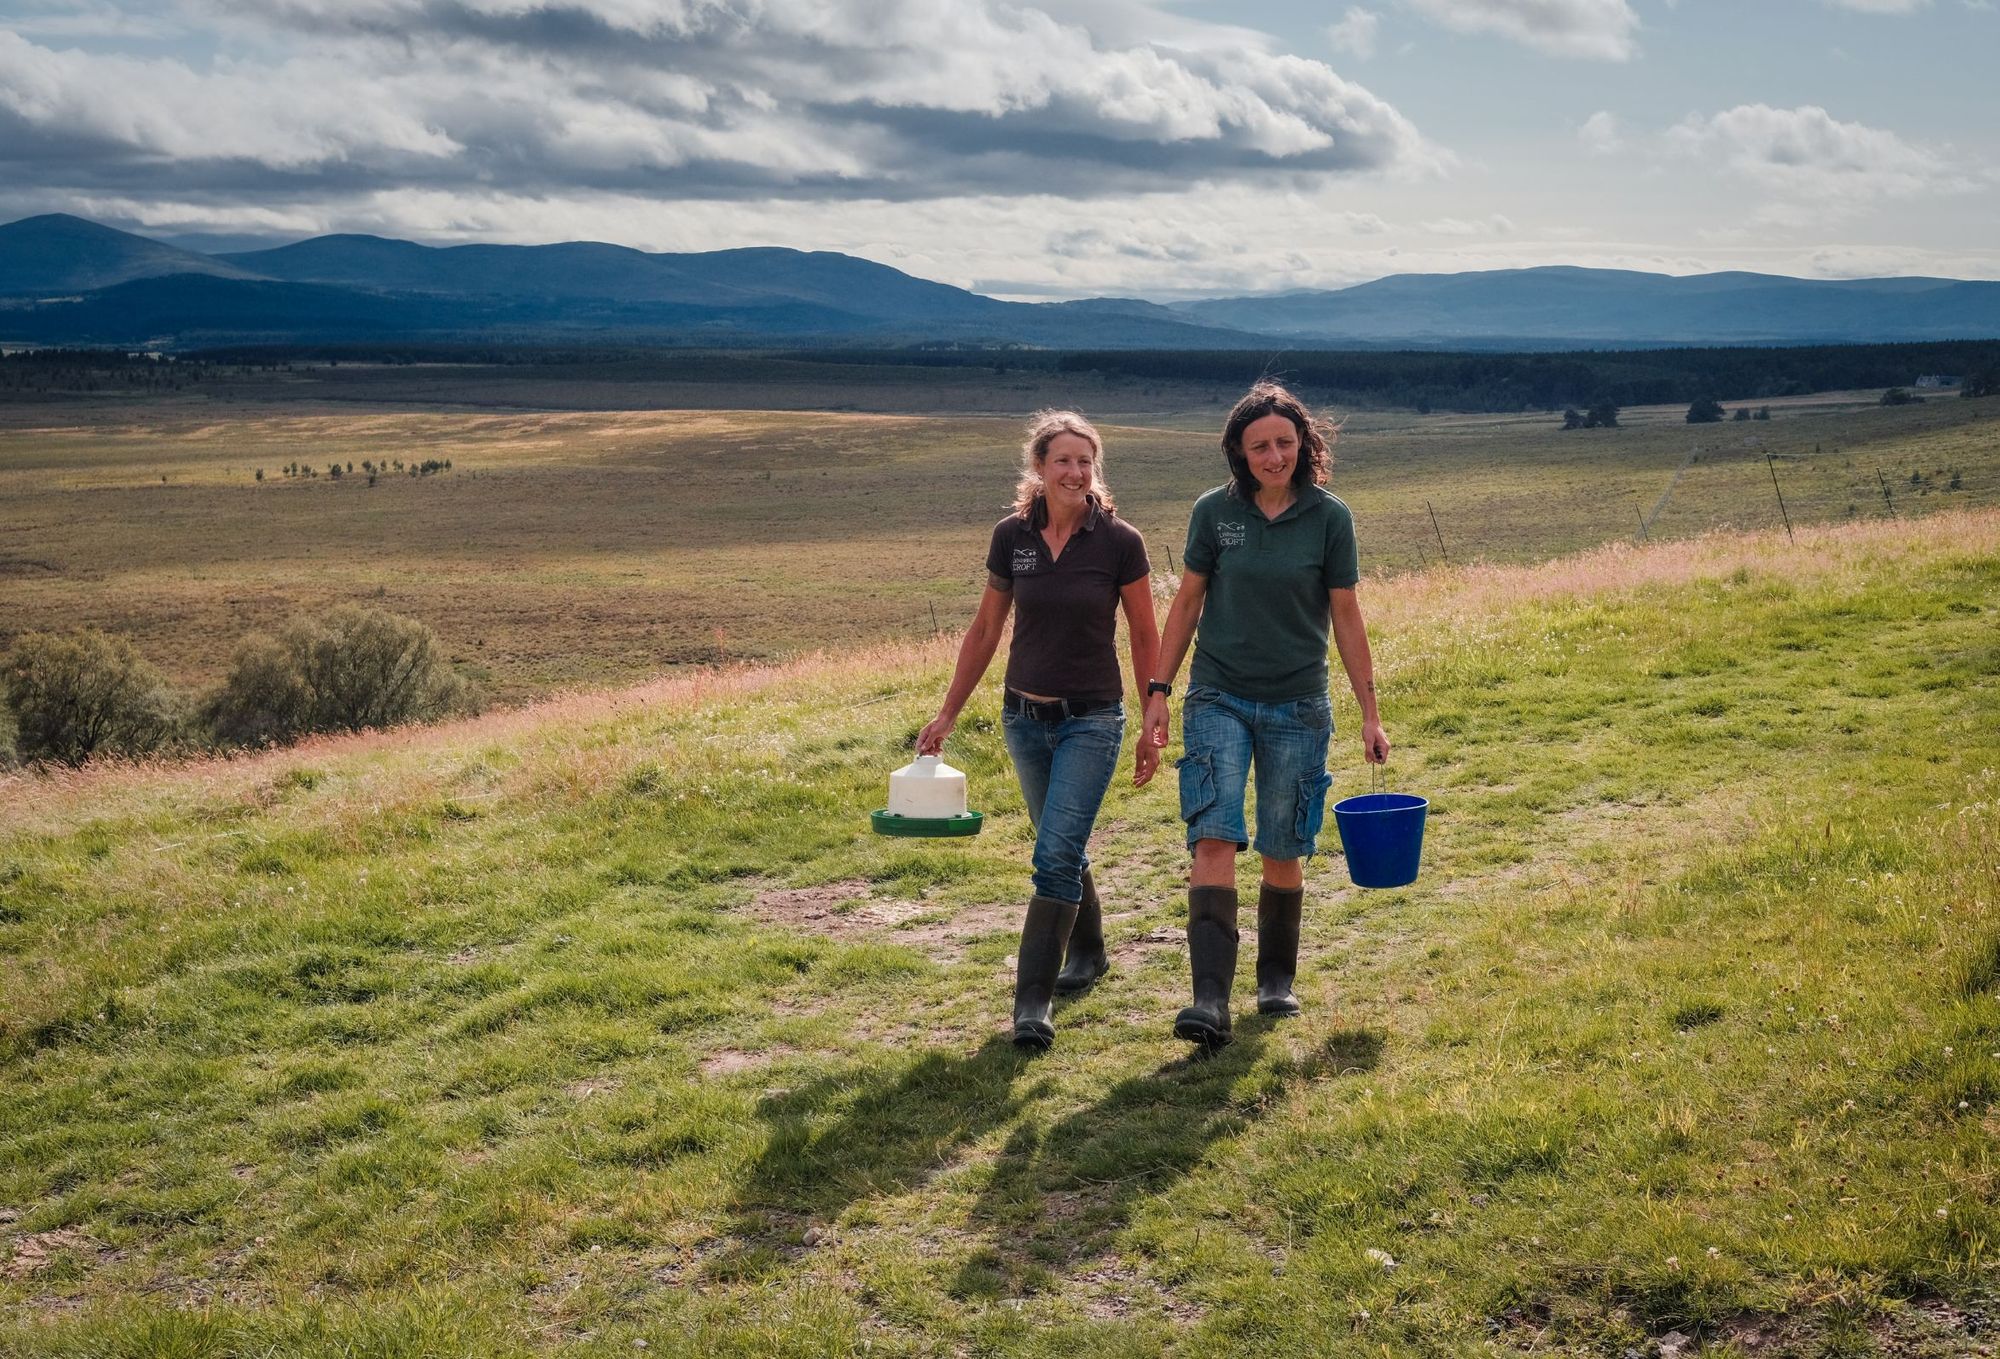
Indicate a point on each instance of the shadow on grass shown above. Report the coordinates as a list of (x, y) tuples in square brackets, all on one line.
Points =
[(1059, 1197), (852, 1134)]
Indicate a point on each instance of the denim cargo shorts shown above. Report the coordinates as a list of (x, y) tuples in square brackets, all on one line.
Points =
[(1224, 738)]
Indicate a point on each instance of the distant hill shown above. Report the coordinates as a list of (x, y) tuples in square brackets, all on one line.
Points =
[(349, 288), (1618, 307), (58, 253), (64, 280)]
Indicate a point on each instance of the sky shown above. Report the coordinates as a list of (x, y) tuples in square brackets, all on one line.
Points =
[(1036, 149)]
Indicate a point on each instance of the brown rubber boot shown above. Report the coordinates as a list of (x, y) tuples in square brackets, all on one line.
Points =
[(1211, 934), (1278, 910), (1043, 937), (1087, 959)]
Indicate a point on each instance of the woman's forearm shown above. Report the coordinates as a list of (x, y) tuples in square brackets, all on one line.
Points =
[(975, 653), (1350, 639), (1142, 631), (1182, 615)]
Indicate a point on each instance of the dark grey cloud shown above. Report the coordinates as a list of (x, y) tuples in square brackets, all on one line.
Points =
[(907, 100)]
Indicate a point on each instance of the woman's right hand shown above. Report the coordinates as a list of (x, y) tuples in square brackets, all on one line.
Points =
[(931, 739), (1157, 722)]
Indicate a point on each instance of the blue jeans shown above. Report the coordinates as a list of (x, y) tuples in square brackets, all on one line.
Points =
[(1064, 768), (1224, 738)]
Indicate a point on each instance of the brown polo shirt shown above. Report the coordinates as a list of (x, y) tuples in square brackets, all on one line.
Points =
[(1066, 608)]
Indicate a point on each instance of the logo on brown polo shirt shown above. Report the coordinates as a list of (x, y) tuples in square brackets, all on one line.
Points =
[(1026, 559)]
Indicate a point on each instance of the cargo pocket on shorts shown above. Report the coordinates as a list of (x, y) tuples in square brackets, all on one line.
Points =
[(1197, 785), (1311, 814)]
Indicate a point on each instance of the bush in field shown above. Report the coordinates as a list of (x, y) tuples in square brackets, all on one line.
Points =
[(85, 693), (346, 670), (1705, 411)]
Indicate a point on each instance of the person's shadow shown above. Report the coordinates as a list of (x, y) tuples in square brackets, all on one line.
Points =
[(1058, 1199), (1055, 1199), (848, 1135)]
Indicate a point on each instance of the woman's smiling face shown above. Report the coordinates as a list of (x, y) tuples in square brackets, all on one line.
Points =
[(1069, 470), (1271, 447)]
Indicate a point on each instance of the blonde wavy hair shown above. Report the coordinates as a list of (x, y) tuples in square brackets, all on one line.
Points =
[(1043, 427)]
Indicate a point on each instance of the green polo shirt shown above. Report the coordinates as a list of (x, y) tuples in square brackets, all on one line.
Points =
[(1264, 621)]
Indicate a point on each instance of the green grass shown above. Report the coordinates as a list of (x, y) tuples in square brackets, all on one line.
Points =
[(608, 1021)]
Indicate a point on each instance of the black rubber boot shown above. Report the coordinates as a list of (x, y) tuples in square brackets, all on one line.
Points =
[(1211, 936), (1278, 948), (1043, 937), (1087, 960)]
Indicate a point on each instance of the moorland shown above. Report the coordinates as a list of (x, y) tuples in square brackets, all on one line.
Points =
[(601, 1023), (603, 522)]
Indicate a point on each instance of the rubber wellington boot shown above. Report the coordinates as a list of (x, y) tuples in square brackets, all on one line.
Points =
[(1087, 960), (1278, 948), (1043, 936), (1211, 934)]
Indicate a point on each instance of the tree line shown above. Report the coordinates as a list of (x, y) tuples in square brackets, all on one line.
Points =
[(1427, 381)]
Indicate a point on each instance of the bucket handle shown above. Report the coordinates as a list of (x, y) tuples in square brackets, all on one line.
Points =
[(1376, 771)]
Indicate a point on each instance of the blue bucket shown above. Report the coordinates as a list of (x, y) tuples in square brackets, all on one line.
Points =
[(1383, 836)]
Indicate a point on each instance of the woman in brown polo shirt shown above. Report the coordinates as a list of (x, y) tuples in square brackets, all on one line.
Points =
[(1064, 563)]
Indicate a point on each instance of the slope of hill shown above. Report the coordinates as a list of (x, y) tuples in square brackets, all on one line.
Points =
[(348, 288), (607, 1021), (57, 253), (1609, 306), (560, 292)]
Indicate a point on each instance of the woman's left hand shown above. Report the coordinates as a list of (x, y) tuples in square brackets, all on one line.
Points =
[(1145, 761), (1374, 742)]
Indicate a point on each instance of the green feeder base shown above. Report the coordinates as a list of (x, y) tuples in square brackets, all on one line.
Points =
[(928, 827)]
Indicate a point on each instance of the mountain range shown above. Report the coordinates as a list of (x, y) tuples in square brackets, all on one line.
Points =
[(65, 280)]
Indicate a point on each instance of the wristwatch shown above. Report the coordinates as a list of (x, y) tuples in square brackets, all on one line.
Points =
[(1158, 687)]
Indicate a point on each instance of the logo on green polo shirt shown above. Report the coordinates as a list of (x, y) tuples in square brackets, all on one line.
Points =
[(1229, 535)]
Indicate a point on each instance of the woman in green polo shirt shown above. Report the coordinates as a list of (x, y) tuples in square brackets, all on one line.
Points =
[(1270, 563), (1065, 565)]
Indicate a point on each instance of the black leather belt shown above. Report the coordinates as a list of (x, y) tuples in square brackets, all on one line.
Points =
[(1056, 709)]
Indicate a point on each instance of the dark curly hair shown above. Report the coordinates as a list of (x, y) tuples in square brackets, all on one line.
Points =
[(1315, 440)]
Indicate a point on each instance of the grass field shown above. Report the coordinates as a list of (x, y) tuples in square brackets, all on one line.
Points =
[(605, 1021), (587, 547)]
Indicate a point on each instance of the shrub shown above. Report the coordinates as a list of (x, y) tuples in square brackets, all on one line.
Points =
[(1896, 396), (347, 670), (1705, 411), (85, 693)]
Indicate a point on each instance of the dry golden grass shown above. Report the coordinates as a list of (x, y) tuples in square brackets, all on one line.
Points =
[(573, 549)]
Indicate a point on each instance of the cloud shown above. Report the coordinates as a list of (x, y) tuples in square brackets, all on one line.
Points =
[(1599, 133), (1600, 30), (1355, 32), (731, 99), (1881, 6), (1812, 165), (1495, 225)]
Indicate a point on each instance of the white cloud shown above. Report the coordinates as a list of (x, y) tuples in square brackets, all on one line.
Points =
[(1496, 225), (1597, 29), (1882, 6), (1811, 165), (1599, 133), (730, 99), (1355, 32)]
